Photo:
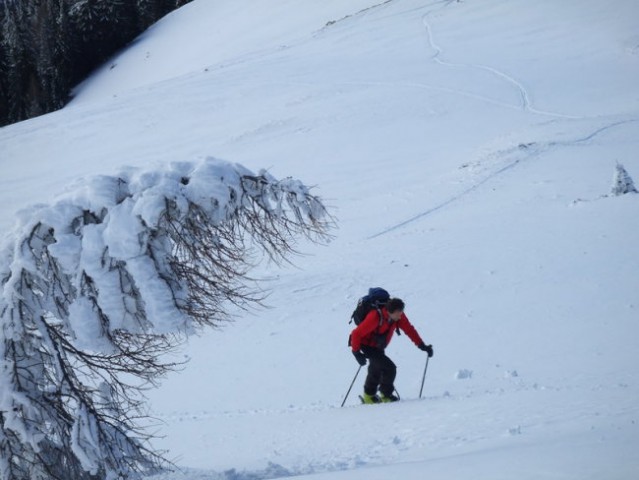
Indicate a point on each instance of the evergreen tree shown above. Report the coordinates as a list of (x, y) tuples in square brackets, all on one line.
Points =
[(622, 182), (50, 41), (4, 65), (19, 76), (99, 29), (147, 12), (47, 46)]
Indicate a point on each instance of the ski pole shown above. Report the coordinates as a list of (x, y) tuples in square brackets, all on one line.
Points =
[(352, 383), (399, 397), (424, 377)]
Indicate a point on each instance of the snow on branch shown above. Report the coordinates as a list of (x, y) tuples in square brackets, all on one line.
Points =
[(96, 287)]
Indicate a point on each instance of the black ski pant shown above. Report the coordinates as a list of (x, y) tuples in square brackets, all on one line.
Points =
[(381, 372)]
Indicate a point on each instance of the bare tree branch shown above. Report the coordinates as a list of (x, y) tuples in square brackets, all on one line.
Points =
[(98, 288)]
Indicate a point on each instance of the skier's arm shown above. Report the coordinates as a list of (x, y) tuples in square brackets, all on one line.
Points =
[(407, 327)]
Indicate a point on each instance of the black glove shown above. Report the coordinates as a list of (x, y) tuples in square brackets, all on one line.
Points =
[(360, 357), (426, 348)]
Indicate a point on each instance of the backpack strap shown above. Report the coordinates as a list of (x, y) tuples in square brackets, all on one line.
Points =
[(381, 317)]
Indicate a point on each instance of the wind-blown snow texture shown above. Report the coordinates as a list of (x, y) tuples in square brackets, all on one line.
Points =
[(468, 150)]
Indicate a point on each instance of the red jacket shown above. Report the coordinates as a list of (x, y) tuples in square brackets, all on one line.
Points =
[(371, 333)]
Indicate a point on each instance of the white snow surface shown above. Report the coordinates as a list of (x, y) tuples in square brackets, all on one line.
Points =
[(468, 150)]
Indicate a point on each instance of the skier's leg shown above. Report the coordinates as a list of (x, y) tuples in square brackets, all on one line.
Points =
[(375, 366), (388, 371)]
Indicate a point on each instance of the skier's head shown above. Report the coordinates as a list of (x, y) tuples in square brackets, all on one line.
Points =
[(395, 308)]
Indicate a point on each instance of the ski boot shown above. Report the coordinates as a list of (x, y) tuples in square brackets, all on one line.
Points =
[(388, 398), (369, 399)]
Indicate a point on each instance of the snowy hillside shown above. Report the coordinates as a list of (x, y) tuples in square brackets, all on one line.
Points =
[(467, 149)]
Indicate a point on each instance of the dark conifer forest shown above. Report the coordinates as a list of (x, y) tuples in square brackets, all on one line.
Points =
[(49, 46)]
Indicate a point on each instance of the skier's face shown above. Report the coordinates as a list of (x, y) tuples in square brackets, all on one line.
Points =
[(395, 315)]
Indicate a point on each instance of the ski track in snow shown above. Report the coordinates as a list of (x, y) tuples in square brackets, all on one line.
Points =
[(438, 52), (526, 104), (528, 150)]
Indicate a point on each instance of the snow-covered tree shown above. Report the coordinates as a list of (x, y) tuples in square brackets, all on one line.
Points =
[(97, 288), (622, 182)]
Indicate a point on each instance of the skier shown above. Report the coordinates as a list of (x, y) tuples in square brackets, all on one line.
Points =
[(371, 337)]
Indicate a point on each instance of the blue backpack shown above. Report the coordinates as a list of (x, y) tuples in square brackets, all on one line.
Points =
[(376, 298)]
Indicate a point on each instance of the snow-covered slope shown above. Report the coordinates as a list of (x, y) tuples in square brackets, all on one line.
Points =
[(467, 150)]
